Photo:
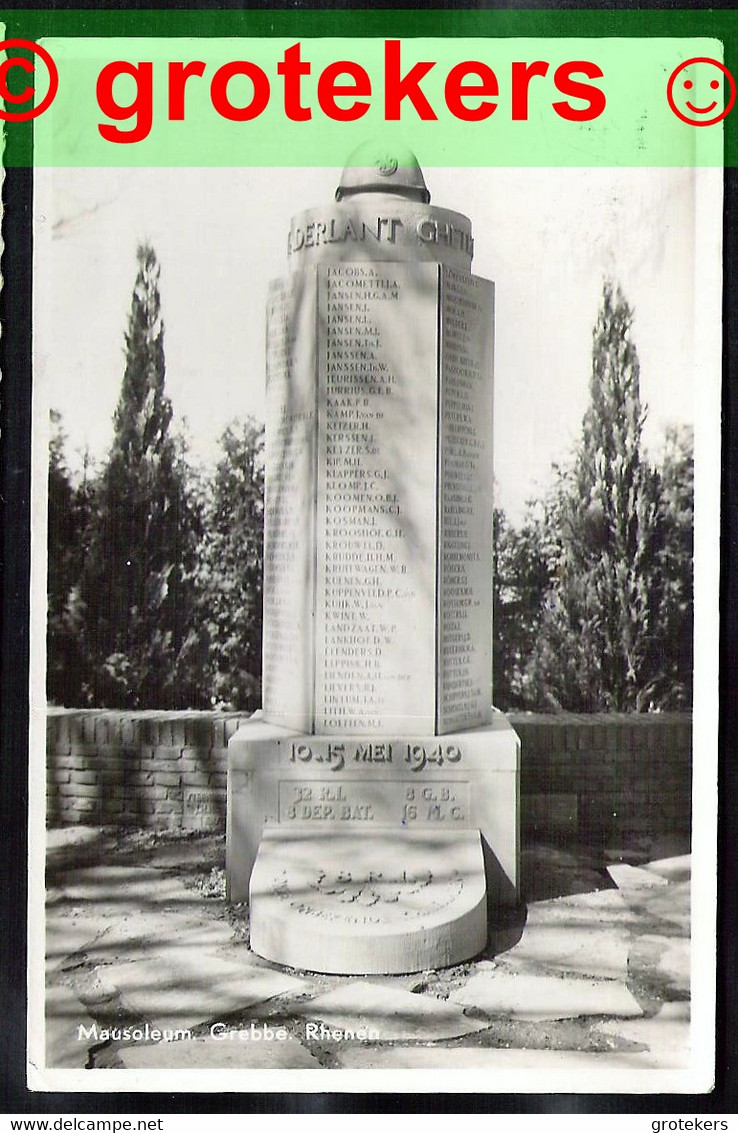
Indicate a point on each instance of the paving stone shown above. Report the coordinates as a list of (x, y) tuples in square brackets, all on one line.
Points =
[(598, 910), (60, 837), (183, 988), (129, 937), (134, 886), (587, 933), (486, 1058), (601, 907), (64, 1014), (67, 935), (73, 847), (665, 1035), (665, 956), (207, 1053), (631, 877), (146, 932), (389, 1013), (670, 903), (206, 852), (675, 962), (544, 997), (673, 869), (679, 1012), (550, 942), (184, 967)]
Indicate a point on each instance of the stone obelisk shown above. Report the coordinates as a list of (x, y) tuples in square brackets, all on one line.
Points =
[(373, 803)]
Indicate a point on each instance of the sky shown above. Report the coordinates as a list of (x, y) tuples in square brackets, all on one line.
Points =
[(547, 237)]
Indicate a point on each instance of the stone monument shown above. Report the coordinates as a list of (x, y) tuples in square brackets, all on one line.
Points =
[(373, 803)]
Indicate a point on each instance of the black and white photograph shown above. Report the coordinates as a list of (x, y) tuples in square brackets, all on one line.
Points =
[(374, 627)]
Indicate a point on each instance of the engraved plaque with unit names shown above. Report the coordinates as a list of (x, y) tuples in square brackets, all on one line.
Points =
[(377, 802)]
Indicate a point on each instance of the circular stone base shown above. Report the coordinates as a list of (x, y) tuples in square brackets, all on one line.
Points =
[(349, 904)]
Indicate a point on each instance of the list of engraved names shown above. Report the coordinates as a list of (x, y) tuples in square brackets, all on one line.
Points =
[(466, 415), (289, 501), (371, 588)]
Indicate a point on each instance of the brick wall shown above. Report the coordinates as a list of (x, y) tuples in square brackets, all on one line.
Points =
[(153, 769), (579, 774), (606, 773)]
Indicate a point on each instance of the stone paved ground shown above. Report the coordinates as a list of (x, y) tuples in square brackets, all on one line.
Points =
[(592, 971)]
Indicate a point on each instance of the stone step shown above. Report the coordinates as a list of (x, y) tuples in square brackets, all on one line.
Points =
[(388, 901)]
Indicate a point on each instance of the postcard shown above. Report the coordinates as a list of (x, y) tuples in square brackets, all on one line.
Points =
[(374, 589)]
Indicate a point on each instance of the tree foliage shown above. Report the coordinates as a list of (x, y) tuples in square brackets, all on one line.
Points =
[(68, 522), (597, 648), (155, 572), (520, 580), (225, 641), (615, 540), (134, 581), (676, 612)]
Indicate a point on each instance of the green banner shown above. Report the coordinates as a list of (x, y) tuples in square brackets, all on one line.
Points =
[(304, 89)]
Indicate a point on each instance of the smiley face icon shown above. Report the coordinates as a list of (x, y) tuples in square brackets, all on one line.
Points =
[(695, 91)]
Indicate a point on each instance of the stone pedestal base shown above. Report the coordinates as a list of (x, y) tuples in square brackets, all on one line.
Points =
[(356, 821)]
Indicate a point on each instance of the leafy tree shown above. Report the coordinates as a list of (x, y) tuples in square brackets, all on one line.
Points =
[(676, 613), (521, 578), (134, 583), (225, 641), (68, 518), (61, 525), (598, 648)]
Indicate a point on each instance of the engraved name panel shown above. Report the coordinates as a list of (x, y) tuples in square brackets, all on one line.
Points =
[(290, 502), (465, 512), (375, 615)]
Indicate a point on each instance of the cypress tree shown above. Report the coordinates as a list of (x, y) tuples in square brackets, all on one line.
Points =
[(599, 647), (134, 584)]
